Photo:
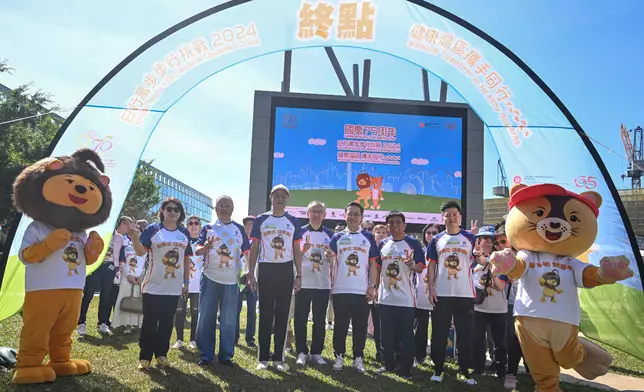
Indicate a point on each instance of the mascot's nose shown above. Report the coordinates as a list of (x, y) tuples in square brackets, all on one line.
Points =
[(555, 225), (81, 189)]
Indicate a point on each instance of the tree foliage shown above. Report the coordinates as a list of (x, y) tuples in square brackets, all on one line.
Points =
[(143, 194)]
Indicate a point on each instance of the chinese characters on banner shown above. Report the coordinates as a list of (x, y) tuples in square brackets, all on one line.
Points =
[(178, 62), (470, 62), (379, 140), (346, 21)]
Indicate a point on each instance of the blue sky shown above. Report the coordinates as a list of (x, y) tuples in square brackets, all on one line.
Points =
[(588, 52)]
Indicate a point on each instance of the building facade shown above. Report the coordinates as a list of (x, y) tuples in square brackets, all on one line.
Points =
[(194, 202)]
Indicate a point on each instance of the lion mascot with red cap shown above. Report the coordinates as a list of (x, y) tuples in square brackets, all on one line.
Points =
[(64, 196), (549, 227)]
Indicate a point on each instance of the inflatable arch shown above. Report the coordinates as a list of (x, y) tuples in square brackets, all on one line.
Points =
[(532, 129)]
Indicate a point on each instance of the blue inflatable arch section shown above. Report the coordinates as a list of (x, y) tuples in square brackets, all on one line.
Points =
[(523, 115)]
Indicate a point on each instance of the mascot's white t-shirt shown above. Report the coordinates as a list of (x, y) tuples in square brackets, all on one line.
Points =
[(353, 253), (494, 303), (222, 264), (453, 253), (316, 271), (167, 249), (276, 235), (422, 291), (396, 279), (63, 269), (548, 287)]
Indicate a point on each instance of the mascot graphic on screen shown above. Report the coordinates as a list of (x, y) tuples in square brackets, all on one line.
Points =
[(369, 188), (65, 196), (550, 227)]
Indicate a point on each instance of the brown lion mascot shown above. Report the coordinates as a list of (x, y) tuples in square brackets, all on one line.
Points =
[(550, 227), (64, 196)]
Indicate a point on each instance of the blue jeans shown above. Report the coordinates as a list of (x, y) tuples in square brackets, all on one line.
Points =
[(251, 314), (214, 295)]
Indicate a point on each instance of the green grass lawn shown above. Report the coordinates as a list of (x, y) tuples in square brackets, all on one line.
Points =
[(334, 198), (115, 359)]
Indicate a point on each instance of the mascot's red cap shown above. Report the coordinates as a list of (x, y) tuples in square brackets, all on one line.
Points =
[(532, 191)]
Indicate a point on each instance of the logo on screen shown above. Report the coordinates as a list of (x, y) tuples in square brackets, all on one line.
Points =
[(517, 179), (289, 121)]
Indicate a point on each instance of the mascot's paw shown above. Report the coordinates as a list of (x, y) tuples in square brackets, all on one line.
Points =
[(95, 244), (71, 368), (34, 375), (503, 261), (615, 268), (57, 239), (596, 362)]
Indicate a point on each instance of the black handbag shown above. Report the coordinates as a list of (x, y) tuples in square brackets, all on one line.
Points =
[(481, 294), (132, 304)]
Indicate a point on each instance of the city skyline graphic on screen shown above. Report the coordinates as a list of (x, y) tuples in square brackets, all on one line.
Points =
[(384, 161)]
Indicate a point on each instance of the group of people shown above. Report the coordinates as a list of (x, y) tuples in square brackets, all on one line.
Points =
[(360, 275)]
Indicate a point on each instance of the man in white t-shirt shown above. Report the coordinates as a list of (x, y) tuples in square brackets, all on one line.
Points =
[(275, 249), (400, 257), (356, 253), (316, 284), (103, 279), (222, 244), (451, 291)]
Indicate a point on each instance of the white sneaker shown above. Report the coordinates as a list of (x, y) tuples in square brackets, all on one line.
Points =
[(329, 327), (262, 365), (128, 330), (192, 345), (359, 365), (301, 359), (437, 377), (339, 363), (178, 344), (281, 366), (81, 330), (467, 379), (104, 329), (317, 358)]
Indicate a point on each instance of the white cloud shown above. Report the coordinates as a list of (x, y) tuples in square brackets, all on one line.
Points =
[(595, 248), (419, 161), (458, 174), (317, 142), (278, 155)]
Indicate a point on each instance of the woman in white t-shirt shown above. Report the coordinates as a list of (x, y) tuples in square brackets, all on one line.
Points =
[(131, 276), (196, 265), (491, 312), (167, 277), (423, 306)]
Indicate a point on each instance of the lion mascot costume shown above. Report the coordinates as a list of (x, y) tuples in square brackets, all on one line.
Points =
[(64, 196), (549, 227)]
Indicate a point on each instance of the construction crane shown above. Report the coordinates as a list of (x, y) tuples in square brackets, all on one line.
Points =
[(635, 154), (501, 189)]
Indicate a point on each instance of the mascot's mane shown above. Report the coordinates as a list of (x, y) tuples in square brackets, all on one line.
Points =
[(28, 191)]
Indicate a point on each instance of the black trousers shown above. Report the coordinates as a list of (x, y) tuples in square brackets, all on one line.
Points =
[(102, 279), (420, 338), (158, 312), (180, 316), (114, 295), (355, 309), (275, 285), (514, 348), (304, 299), (462, 310), (397, 323), (377, 332), (498, 328)]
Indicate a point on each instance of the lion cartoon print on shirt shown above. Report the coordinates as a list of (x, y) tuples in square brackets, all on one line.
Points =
[(171, 262), (224, 256), (550, 281), (451, 263), (70, 255), (133, 264), (393, 272), (278, 246), (316, 260), (352, 264)]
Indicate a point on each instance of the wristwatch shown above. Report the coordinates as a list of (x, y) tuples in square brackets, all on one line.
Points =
[(373, 286)]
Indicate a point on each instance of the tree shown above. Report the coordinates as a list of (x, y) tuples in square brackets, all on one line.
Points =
[(143, 194), (22, 142)]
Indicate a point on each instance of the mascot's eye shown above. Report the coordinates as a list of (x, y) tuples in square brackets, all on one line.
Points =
[(573, 218), (70, 181), (91, 188), (539, 213)]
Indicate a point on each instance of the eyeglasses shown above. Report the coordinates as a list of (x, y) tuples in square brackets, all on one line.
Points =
[(354, 214), (194, 223), (171, 209)]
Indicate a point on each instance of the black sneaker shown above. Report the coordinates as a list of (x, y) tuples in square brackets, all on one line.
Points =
[(228, 362), (251, 344), (405, 375), (204, 363)]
